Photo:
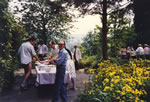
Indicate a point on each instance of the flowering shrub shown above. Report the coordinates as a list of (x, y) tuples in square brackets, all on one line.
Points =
[(118, 83)]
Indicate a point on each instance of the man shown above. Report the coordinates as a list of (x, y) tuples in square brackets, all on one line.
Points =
[(77, 56), (54, 51), (42, 50), (60, 90), (26, 52), (140, 51), (146, 51)]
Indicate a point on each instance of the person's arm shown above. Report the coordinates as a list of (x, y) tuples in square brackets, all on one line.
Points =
[(38, 59), (49, 58), (61, 58)]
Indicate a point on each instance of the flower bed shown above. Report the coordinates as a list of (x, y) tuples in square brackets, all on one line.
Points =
[(118, 83)]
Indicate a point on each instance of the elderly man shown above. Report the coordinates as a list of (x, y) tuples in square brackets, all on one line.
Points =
[(60, 90), (77, 56), (26, 52)]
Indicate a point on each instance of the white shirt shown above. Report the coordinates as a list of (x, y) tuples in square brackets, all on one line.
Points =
[(146, 50), (54, 52), (140, 51), (26, 52), (42, 49), (78, 54)]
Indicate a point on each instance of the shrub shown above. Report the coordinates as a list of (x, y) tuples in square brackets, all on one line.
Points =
[(88, 61), (118, 83)]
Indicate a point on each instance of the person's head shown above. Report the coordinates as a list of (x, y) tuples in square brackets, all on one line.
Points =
[(139, 45), (61, 44), (75, 46), (32, 40), (123, 46), (128, 47), (52, 44), (41, 42), (145, 45)]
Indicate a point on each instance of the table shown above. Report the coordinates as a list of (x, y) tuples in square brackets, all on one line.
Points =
[(45, 74)]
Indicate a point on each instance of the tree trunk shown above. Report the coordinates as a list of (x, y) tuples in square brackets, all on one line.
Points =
[(104, 30)]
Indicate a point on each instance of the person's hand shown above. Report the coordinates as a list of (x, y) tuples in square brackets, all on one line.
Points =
[(41, 62), (52, 61), (43, 54)]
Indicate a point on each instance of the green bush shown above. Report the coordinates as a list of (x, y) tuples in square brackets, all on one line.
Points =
[(88, 61)]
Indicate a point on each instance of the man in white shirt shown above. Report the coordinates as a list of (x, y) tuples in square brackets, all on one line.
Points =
[(42, 50), (54, 52), (26, 52), (77, 56), (140, 51)]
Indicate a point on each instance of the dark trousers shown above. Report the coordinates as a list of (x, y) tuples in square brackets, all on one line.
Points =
[(60, 89), (76, 65), (147, 57), (140, 56)]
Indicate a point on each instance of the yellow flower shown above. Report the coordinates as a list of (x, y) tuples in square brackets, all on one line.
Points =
[(107, 88), (90, 92), (118, 97), (136, 99), (116, 81), (118, 91), (122, 93), (106, 80), (111, 85), (96, 76)]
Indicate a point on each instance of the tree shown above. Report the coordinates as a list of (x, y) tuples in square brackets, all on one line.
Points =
[(121, 31), (90, 43), (49, 20), (7, 46), (103, 8), (142, 21)]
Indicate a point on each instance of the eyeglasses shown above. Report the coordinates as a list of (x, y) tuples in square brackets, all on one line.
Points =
[(60, 44)]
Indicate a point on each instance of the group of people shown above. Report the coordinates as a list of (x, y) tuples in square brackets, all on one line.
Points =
[(61, 56), (142, 52)]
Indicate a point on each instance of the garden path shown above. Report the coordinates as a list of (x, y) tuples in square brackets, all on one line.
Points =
[(34, 95)]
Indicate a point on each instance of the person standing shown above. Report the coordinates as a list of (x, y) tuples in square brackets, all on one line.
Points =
[(132, 52), (77, 56), (61, 62), (71, 69), (42, 50), (123, 52), (140, 51), (146, 51), (54, 51), (26, 52)]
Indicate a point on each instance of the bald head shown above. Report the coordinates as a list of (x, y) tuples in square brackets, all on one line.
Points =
[(61, 42)]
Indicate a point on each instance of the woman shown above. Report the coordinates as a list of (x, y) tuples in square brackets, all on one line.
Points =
[(71, 69), (123, 52)]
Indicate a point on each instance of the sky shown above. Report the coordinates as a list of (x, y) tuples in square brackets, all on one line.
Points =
[(84, 25)]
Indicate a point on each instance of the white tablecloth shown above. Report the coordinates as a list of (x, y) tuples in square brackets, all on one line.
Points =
[(46, 75)]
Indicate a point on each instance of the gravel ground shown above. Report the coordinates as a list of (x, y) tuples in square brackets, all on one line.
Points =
[(42, 93)]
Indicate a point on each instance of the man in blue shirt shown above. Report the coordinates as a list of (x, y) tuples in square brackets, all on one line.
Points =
[(60, 90)]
